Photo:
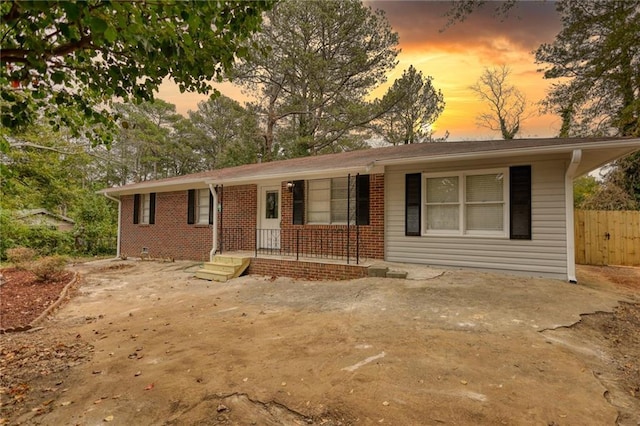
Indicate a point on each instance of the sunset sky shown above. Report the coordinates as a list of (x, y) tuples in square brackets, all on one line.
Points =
[(455, 58)]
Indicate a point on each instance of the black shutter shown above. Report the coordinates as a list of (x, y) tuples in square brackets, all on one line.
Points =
[(362, 199), (210, 208), (191, 206), (520, 199), (152, 208), (136, 209), (298, 202), (413, 201)]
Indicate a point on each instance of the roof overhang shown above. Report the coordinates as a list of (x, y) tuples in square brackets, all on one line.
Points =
[(594, 154)]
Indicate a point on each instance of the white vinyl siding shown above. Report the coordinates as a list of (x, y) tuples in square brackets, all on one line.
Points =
[(202, 207), (543, 255)]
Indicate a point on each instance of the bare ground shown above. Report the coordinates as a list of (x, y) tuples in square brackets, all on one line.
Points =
[(145, 343)]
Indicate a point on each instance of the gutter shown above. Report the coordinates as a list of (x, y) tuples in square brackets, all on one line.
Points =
[(119, 221), (576, 157), (214, 246)]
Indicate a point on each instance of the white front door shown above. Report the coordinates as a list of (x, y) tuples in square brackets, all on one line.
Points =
[(269, 230)]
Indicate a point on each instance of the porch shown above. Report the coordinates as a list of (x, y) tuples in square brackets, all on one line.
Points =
[(309, 253)]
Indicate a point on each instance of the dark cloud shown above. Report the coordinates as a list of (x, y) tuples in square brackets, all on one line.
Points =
[(420, 24)]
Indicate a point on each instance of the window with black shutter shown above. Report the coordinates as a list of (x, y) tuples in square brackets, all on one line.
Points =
[(298, 202), (136, 209), (362, 200), (413, 199), (191, 206), (520, 198), (152, 208)]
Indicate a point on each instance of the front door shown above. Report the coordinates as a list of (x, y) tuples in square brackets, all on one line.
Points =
[(269, 230)]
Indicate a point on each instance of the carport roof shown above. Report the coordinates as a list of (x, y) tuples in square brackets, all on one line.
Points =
[(596, 152)]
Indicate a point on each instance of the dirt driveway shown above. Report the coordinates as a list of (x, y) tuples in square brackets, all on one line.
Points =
[(443, 347)]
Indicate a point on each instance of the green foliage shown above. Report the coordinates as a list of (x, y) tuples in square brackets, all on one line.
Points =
[(227, 134), (313, 63), (620, 189), (410, 107), (20, 257), (48, 267), (63, 61), (595, 59), (96, 226), (584, 188)]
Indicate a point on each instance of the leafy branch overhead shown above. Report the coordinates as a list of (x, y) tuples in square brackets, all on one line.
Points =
[(65, 59)]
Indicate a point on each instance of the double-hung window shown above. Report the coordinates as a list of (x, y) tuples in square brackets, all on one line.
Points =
[(203, 207), (329, 200), (144, 209), (467, 203)]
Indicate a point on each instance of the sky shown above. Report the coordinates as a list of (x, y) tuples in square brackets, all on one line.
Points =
[(455, 58)]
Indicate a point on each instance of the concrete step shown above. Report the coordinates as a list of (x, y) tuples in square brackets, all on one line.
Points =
[(397, 274)]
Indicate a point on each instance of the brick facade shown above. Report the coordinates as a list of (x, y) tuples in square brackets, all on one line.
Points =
[(334, 243), (171, 236), (306, 270)]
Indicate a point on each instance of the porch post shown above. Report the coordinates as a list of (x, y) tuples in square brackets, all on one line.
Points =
[(214, 246), (348, 211)]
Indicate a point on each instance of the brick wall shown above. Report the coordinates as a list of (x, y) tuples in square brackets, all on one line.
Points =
[(171, 236), (236, 226), (335, 243), (306, 270)]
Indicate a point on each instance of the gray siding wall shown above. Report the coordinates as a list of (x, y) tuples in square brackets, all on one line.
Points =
[(544, 255)]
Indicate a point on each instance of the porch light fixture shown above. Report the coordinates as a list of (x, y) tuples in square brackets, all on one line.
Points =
[(290, 186)]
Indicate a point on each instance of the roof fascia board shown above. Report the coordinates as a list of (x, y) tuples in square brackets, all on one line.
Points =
[(500, 153), (316, 174)]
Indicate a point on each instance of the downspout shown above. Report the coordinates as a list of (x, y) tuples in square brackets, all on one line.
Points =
[(119, 222), (576, 157), (214, 246)]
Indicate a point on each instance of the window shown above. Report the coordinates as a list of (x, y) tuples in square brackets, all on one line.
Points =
[(331, 201), (144, 208), (466, 203), (271, 205), (203, 206), (199, 207)]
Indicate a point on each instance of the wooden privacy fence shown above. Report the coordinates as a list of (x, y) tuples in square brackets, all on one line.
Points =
[(607, 237)]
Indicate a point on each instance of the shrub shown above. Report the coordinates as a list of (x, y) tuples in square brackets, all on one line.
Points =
[(48, 267), (20, 256)]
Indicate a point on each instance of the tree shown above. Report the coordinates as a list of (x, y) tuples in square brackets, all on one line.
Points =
[(313, 64), (595, 56), (65, 59), (228, 133), (507, 105), (412, 105), (151, 143)]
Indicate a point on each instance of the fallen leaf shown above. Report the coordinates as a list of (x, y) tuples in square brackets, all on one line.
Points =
[(108, 419), (149, 387), (64, 404)]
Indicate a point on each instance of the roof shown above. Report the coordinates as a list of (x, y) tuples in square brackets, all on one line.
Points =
[(600, 150), (21, 214)]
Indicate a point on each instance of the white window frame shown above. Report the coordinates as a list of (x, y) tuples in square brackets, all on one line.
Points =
[(462, 203), (145, 208), (329, 200), (202, 206)]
